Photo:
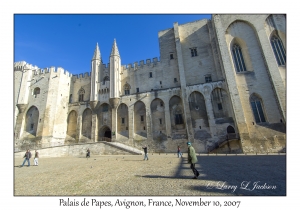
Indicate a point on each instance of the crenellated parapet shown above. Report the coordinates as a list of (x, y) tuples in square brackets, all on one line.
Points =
[(23, 66), (141, 65), (84, 76)]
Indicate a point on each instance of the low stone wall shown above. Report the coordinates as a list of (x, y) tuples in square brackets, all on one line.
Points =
[(99, 148)]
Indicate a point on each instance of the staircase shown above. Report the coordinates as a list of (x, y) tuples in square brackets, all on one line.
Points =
[(124, 147), (225, 141)]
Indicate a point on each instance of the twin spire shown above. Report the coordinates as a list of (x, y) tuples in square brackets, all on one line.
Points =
[(114, 51), (97, 53)]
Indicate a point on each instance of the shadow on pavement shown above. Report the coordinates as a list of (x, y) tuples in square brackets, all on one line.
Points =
[(257, 175)]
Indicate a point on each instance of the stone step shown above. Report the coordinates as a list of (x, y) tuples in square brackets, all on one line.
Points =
[(125, 147)]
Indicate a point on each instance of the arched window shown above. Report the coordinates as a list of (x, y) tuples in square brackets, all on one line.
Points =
[(257, 108), (36, 91), (238, 58), (81, 94), (105, 108), (178, 116), (127, 89), (278, 50), (105, 79)]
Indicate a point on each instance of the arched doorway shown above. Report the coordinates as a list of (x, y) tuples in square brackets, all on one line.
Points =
[(230, 129), (107, 133), (104, 134)]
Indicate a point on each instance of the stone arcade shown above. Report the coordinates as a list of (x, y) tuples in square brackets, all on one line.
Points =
[(219, 83)]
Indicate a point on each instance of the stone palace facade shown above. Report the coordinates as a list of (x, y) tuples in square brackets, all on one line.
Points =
[(219, 83)]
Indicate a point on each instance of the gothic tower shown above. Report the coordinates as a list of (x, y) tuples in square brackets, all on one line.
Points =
[(96, 64), (115, 84), (115, 67)]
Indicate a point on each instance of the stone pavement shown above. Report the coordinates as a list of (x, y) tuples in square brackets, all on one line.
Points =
[(163, 174)]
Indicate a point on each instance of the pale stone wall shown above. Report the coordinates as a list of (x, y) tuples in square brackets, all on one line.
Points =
[(243, 29), (196, 35)]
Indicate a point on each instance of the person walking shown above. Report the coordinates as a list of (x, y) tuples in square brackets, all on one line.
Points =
[(27, 157), (146, 152), (36, 158), (179, 152), (192, 159), (88, 153)]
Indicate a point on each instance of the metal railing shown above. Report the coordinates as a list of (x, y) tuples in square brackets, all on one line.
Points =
[(229, 136)]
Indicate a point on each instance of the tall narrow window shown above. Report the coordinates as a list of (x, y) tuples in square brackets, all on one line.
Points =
[(171, 56), (194, 52), (175, 79), (81, 97), (81, 94), (238, 58), (127, 89), (220, 107), (278, 50), (160, 121), (105, 108), (150, 74), (137, 90), (142, 118), (256, 105), (123, 120), (70, 99)]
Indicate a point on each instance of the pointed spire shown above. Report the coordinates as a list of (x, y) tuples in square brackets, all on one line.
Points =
[(96, 53), (114, 50)]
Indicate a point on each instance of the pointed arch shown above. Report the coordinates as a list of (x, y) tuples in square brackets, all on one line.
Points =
[(257, 108), (81, 93), (32, 120), (278, 49), (140, 122), (86, 130), (176, 113), (104, 115), (72, 124), (198, 110), (126, 88), (104, 133), (158, 119), (123, 120)]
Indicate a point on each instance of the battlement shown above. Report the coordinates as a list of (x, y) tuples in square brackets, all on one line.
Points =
[(137, 65), (23, 66), (58, 70), (86, 75)]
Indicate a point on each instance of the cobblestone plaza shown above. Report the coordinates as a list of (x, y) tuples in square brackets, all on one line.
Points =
[(163, 175)]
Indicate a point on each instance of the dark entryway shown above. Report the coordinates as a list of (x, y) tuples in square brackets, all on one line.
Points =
[(107, 133), (230, 129)]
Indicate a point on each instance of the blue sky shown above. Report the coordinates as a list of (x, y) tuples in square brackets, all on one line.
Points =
[(68, 41)]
